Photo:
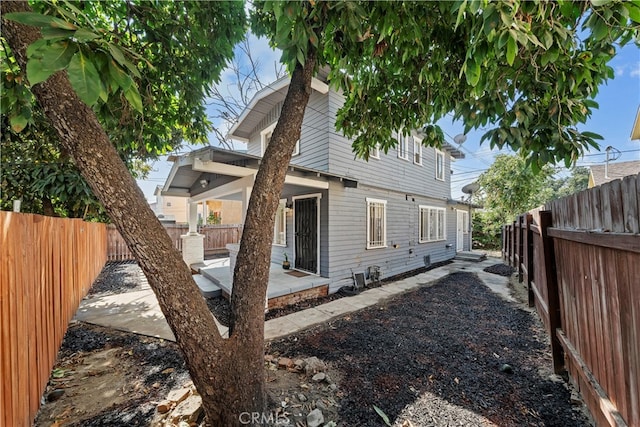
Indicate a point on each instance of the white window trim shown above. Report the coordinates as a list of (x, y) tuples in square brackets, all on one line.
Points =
[(283, 202), (263, 140), (429, 238), (403, 138), (465, 222), (368, 219), (375, 152), (417, 150), (440, 153)]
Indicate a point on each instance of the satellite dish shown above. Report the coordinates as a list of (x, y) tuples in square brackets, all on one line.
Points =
[(471, 188), (460, 139)]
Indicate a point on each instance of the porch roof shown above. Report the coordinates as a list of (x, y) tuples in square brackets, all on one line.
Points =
[(209, 168)]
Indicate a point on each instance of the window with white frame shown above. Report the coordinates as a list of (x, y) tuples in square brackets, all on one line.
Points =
[(465, 222), (417, 151), (439, 165), (432, 224), (403, 145), (265, 138), (280, 225), (376, 223), (374, 153)]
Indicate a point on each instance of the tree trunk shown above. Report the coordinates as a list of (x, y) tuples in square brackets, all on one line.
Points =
[(47, 207), (227, 373)]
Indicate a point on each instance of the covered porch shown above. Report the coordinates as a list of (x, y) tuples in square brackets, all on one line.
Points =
[(300, 227), (285, 286)]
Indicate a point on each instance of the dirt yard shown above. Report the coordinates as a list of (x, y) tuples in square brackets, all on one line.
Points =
[(448, 354)]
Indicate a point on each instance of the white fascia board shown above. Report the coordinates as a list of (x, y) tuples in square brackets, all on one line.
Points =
[(222, 168), (306, 182), (316, 85), (263, 93), (224, 190), (319, 86), (182, 161), (176, 192)]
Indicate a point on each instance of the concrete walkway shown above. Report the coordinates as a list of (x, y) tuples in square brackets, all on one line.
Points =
[(140, 313)]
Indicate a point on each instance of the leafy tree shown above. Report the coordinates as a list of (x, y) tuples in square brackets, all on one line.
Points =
[(574, 183), (133, 62), (507, 189), (398, 65)]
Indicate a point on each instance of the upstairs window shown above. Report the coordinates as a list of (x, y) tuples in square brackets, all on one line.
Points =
[(280, 225), (439, 165), (265, 138), (417, 151), (376, 223), (403, 145), (374, 153)]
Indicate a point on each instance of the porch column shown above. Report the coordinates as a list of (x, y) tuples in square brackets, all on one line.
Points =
[(246, 195), (192, 242)]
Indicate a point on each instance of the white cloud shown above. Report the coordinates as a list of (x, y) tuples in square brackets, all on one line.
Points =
[(635, 71)]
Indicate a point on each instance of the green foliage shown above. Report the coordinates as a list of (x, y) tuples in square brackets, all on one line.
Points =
[(528, 70), (135, 63), (37, 172), (507, 189), (576, 182)]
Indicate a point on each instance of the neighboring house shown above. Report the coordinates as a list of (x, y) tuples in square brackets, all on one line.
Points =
[(635, 131), (172, 208), (338, 215), (600, 174)]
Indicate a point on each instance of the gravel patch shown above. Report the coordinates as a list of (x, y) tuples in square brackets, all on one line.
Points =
[(119, 277), (500, 269)]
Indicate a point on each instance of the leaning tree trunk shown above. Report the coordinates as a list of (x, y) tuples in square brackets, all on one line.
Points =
[(227, 373)]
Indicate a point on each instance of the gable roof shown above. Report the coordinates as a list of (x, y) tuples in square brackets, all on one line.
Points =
[(613, 171)]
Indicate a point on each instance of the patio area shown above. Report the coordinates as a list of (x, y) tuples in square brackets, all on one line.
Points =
[(285, 286)]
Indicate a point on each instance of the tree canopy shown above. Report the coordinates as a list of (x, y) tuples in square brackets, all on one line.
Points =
[(134, 63), (528, 70)]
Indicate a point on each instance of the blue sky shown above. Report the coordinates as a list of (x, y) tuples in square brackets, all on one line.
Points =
[(619, 101)]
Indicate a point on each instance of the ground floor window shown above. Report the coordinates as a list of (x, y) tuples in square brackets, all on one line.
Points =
[(280, 225), (376, 223), (432, 224)]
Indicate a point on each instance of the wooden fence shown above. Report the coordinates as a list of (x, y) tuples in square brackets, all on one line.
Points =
[(47, 267), (216, 238), (580, 259)]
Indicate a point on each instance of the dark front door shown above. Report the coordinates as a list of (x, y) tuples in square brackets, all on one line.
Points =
[(306, 234)]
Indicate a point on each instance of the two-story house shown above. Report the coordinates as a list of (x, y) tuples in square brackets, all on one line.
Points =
[(338, 214)]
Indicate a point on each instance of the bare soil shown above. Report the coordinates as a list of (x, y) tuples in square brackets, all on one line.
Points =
[(448, 354)]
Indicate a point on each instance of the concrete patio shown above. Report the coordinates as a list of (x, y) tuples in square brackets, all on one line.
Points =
[(281, 282), (139, 311)]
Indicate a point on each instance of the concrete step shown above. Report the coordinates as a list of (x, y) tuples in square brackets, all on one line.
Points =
[(471, 256), (208, 288)]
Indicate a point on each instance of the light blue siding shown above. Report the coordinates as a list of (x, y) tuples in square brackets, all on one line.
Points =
[(348, 234), (404, 185)]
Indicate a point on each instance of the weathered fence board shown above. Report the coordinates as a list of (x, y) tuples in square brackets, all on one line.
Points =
[(592, 284), (47, 266), (216, 237)]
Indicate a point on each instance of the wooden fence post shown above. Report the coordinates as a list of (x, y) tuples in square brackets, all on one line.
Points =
[(553, 295), (528, 243), (519, 247)]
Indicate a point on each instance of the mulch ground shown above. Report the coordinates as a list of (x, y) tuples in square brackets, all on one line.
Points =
[(436, 356)]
